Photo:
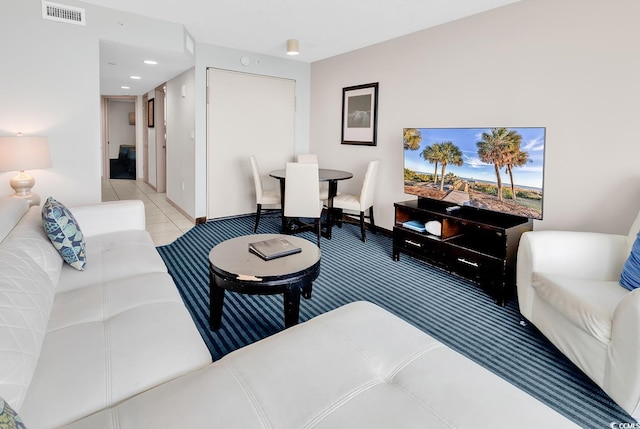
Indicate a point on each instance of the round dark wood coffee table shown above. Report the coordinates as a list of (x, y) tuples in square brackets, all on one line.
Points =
[(232, 267)]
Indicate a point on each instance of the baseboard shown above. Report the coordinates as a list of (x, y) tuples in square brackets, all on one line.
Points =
[(355, 220)]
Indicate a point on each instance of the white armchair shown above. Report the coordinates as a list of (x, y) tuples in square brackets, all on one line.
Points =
[(568, 287)]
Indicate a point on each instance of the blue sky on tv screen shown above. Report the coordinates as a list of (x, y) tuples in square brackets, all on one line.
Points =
[(529, 175)]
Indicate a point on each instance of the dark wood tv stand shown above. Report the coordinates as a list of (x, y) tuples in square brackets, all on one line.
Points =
[(478, 245)]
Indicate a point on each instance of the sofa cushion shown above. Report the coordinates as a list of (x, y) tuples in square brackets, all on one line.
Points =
[(11, 210), (630, 277), (9, 419), (588, 304), (64, 232), (355, 367), (26, 298), (110, 341), (29, 235), (114, 256)]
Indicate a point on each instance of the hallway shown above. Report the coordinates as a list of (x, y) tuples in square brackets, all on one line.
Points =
[(163, 221)]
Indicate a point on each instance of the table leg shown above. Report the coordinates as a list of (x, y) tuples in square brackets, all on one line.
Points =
[(291, 305), (306, 290), (283, 219), (333, 191), (216, 301)]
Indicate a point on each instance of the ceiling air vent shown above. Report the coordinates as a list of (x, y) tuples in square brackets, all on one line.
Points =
[(63, 13)]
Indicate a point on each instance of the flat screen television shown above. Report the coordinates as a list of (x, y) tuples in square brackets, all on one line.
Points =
[(495, 169)]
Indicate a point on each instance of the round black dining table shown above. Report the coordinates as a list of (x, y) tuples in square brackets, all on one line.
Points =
[(324, 175)]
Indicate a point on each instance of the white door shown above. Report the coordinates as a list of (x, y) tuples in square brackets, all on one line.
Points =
[(247, 115)]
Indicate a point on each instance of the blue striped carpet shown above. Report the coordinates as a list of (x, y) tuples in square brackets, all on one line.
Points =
[(448, 308)]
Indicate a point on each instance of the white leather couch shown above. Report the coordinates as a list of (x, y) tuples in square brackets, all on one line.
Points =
[(568, 287), (357, 366), (74, 342), (114, 347)]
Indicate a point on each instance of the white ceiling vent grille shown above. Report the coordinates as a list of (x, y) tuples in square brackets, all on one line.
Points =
[(63, 13)]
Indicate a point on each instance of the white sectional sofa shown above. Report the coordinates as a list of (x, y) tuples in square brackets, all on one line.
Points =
[(73, 342), (114, 347), (357, 366)]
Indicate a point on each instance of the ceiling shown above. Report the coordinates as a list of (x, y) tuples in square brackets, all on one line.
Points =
[(324, 28)]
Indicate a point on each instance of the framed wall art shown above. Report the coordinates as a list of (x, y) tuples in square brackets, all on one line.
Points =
[(360, 114), (150, 114)]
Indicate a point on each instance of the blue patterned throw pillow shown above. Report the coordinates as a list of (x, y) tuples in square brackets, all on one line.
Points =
[(9, 418), (64, 232), (630, 277)]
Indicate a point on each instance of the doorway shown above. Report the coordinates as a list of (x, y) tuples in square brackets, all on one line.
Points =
[(160, 119), (156, 127), (145, 139), (119, 137)]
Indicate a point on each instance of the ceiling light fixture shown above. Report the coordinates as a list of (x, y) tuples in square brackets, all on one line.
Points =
[(135, 77), (151, 62), (292, 47), (125, 87)]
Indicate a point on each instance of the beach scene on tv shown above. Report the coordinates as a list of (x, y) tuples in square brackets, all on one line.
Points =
[(498, 169)]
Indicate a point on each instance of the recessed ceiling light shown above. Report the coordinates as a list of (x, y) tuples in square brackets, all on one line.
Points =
[(153, 63), (125, 87), (135, 77)]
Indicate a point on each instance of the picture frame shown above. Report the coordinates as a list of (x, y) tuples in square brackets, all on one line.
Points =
[(150, 115), (360, 114)]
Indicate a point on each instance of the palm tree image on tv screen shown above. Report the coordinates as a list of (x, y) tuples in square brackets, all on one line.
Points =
[(497, 169)]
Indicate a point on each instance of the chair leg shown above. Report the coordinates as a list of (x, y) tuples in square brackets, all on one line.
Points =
[(319, 229), (338, 217), (362, 229), (258, 209), (371, 221)]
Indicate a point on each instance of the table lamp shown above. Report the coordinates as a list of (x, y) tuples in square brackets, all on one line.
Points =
[(18, 153)]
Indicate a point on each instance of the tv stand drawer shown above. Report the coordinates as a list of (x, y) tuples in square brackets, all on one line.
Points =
[(474, 266), (418, 243)]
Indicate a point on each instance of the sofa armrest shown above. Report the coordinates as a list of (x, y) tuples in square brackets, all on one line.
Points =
[(622, 369), (581, 255), (109, 217)]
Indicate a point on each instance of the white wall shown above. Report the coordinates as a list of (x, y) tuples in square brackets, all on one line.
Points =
[(120, 131), (53, 90), (50, 85), (571, 66), (181, 140), (46, 88)]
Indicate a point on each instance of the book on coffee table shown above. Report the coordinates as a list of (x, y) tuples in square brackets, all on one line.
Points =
[(273, 248)]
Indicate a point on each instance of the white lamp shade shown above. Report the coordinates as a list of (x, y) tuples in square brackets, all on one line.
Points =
[(24, 153)]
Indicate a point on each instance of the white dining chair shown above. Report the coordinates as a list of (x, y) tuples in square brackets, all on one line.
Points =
[(312, 158), (302, 196), (360, 203), (307, 158), (263, 197)]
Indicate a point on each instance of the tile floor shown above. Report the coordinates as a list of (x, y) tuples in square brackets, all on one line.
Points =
[(164, 222)]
